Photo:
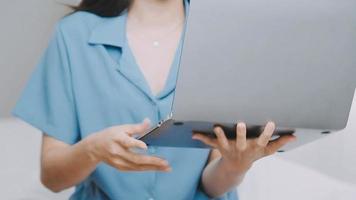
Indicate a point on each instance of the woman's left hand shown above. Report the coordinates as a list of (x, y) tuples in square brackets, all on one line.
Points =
[(238, 155)]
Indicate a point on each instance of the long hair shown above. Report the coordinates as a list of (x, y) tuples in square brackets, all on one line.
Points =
[(104, 8)]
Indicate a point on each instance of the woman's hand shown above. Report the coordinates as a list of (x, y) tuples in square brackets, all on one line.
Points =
[(238, 155), (113, 146)]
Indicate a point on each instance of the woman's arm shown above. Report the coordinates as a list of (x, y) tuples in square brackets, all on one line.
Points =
[(63, 165), (231, 159), (216, 180)]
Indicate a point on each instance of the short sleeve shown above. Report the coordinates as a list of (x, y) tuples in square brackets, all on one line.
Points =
[(47, 101)]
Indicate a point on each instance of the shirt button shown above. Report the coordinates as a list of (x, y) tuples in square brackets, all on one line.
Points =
[(154, 102), (152, 150)]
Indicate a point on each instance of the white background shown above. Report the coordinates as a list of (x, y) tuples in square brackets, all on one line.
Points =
[(323, 170)]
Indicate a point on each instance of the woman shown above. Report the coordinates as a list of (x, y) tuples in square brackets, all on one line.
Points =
[(108, 72)]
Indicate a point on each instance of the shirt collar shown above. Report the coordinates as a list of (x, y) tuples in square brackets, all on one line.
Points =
[(111, 31)]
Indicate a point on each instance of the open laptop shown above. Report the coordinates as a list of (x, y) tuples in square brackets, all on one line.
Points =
[(289, 61)]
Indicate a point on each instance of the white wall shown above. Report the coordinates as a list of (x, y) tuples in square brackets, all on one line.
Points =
[(334, 155), (20, 163), (25, 28), (322, 170)]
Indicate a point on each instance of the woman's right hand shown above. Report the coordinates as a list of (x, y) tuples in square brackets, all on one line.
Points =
[(113, 146)]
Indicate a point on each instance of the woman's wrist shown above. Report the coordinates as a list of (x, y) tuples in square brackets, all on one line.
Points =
[(90, 148), (233, 168)]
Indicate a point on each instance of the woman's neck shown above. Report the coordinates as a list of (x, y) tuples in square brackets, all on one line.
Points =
[(156, 13)]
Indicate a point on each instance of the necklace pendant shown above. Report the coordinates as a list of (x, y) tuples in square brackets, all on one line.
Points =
[(155, 43)]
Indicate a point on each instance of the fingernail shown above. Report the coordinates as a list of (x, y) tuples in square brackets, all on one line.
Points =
[(167, 169), (143, 145), (271, 125), (241, 125), (146, 121), (218, 129)]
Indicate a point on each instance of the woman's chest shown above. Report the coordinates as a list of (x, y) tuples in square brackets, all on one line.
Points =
[(111, 92), (154, 62)]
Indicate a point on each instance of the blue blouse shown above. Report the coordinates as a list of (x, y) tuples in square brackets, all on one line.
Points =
[(88, 80)]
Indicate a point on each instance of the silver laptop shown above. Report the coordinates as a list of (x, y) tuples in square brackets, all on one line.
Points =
[(289, 61)]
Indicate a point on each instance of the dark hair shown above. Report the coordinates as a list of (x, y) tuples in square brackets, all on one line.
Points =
[(104, 8)]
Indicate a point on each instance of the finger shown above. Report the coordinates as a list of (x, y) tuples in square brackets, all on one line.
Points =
[(266, 135), (126, 165), (135, 162), (152, 168), (120, 164), (144, 159), (206, 140), (129, 142), (137, 129), (222, 140), (276, 144), (241, 142)]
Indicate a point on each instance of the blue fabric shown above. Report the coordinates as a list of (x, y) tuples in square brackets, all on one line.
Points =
[(88, 80)]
